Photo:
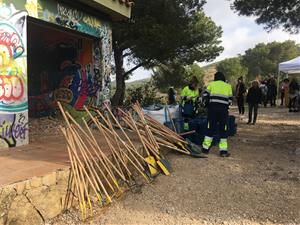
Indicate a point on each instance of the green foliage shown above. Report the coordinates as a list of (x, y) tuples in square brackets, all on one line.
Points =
[(145, 94), (232, 68), (263, 59), (176, 75), (272, 13), (194, 70), (161, 31)]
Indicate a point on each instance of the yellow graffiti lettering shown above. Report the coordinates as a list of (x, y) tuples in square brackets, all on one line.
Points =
[(93, 22), (33, 7), (5, 56)]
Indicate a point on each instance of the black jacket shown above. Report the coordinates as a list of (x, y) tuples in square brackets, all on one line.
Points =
[(294, 86), (272, 90), (254, 95), (240, 90)]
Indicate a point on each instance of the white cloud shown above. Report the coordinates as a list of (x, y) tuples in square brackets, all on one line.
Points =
[(240, 33)]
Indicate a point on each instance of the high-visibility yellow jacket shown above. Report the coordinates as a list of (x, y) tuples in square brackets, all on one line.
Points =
[(187, 92), (219, 92)]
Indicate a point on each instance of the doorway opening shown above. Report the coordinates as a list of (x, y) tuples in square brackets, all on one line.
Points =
[(60, 68)]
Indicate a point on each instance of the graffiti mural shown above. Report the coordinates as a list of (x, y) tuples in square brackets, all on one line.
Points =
[(71, 70), (107, 58), (13, 129), (76, 81), (69, 17), (13, 77)]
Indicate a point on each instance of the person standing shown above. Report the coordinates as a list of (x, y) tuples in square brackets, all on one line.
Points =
[(293, 95), (189, 94), (171, 96), (272, 91), (264, 92), (240, 94), (283, 90), (253, 99), (219, 95)]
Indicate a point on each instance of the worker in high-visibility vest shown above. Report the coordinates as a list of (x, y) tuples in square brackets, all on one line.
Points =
[(189, 95), (219, 97)]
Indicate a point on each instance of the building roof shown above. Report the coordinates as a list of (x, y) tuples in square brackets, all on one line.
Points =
[(128, 3), (116, 9)]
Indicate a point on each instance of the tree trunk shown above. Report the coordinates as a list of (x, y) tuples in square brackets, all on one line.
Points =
[(118, 98)]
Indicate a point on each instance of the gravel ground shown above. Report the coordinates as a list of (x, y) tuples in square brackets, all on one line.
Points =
[(258, 184), (44, 126)]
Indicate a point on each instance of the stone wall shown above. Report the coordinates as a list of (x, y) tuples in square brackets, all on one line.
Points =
[(35, 200)]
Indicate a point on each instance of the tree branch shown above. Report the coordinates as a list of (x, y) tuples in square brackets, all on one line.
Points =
[(136, 67)]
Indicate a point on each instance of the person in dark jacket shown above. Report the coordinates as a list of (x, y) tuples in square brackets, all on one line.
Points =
[(272, 91), (293, 95), (171, 96), (264, 92), (253, 99), (240, 91)]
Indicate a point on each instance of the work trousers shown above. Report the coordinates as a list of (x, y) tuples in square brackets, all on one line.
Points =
[(240, 103), (264, 100), (217, 124), (272, 100), (253, 107), (293, 104)]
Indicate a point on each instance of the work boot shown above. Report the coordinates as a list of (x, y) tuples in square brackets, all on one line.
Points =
[(224, 154)]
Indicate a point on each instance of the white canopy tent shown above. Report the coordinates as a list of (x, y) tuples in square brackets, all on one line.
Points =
[(291, 66)]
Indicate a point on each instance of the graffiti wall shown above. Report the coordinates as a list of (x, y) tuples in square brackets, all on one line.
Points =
[(13, 77), (65, 72), (81, 82), (13, 129), (72, 18)]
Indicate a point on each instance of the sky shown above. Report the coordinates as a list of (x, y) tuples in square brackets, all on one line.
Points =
[(239, 33)]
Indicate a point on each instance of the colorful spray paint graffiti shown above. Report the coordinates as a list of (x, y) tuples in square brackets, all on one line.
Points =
[(84, 83), (13, 77), (13, 81), (102, 49), (106, 64), (78, 79), (13, 130)]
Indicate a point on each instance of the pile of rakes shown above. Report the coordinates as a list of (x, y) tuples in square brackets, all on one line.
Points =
[(102, 176)]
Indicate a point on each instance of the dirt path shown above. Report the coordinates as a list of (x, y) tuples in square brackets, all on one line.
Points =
[(259, 184)]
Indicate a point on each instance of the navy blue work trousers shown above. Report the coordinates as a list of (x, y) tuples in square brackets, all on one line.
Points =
[(217, 122)]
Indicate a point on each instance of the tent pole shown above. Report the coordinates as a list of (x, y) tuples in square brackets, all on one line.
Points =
[(278, 88)]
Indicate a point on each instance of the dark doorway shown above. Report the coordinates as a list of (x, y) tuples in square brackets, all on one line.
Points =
[(59, 67)]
